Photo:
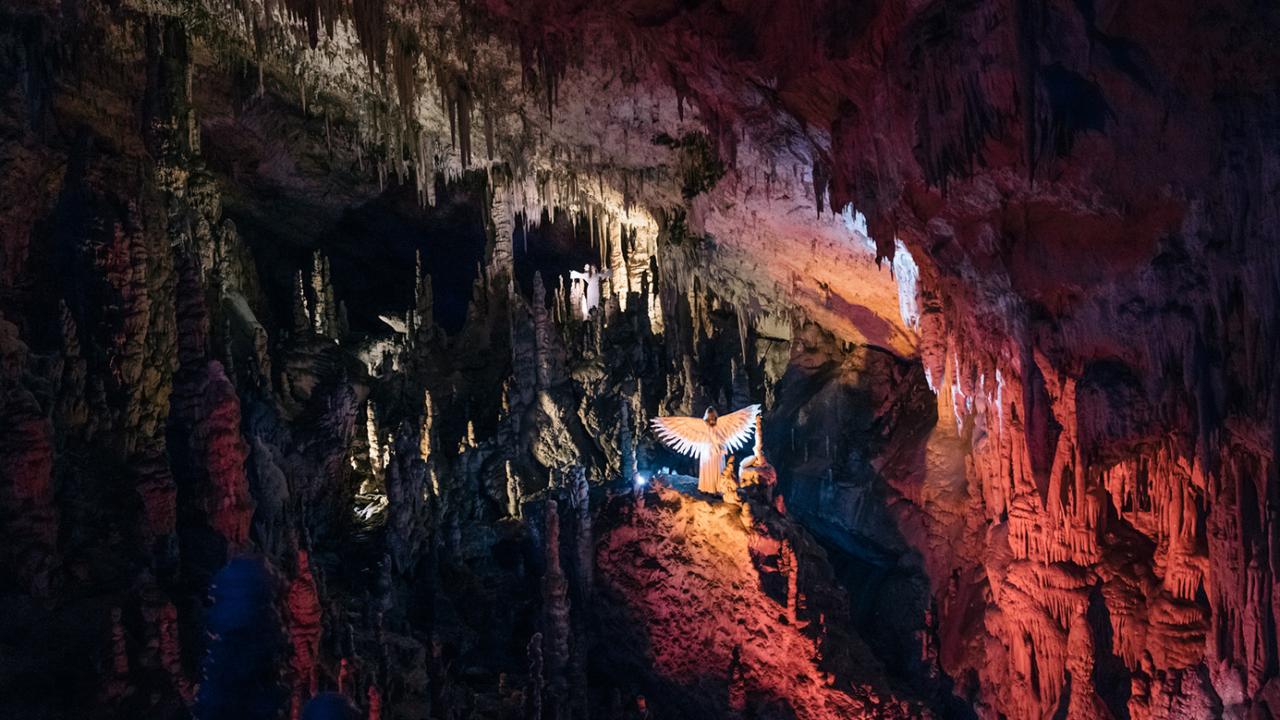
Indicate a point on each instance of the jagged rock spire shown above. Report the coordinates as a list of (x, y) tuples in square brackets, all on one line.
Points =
[(555, 610)]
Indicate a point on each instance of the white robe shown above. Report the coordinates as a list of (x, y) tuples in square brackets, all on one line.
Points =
[(708, 443)]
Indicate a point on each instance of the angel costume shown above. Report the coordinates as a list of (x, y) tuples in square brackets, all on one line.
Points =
[(708, 438)]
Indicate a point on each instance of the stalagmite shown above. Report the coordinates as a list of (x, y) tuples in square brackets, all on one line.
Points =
[(71, 410), (421, 318), (162, 651), (788, 566), (757, 476), (555, 612), (502, 216), (29, 516), (625, 442), (379, 453), (728, 485), (525, 366), (324, 315), (408, 511), (155, 486), (426, 429), (115, 681), (374, 701), (228, 504), (580, 495), (535, 684), (301, 306), (514, 497), (550, 364), (303, 621)]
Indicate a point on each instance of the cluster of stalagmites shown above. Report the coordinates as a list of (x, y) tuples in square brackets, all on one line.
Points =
[(236, 461), (132, 421), (1093, 517), (1124, 537)]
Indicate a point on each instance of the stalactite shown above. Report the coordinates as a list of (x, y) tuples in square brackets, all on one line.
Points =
[(463, 108), (619, 286), (489, 130), (370, 20), (404, 58)]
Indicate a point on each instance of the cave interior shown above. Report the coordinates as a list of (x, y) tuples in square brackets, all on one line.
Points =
[(338, 339)]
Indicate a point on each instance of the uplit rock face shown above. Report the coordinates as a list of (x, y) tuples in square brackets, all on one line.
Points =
[(726, 606)]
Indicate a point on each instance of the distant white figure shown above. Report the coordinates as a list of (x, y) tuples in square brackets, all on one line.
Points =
[(585, 288), (709, 439)]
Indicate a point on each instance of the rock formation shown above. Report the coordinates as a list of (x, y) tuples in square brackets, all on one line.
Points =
[(716, 629), (319, 320), (555, 624)]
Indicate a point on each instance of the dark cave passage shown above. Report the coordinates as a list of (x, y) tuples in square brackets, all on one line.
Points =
[(554, 246), (374, 248)]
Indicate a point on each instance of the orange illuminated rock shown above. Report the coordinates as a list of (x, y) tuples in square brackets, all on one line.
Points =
[(693, 585)]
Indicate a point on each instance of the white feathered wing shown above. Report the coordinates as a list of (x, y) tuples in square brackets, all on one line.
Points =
[(694, 437)]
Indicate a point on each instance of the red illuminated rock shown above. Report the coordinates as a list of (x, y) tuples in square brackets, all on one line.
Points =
[(303, 624), (1076, 203), (691, 576), (228, 504)]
